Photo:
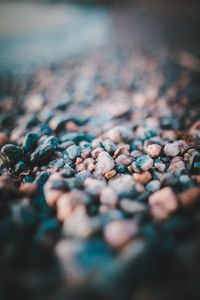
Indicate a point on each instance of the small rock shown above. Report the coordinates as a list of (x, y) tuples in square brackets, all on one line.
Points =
[(163, 203), (104, 164), (119, 233), (154, 150), (132, 207), (11, 153), (30, 141), (3, 139), (144, 163), (108, 196), (153, 186), (190, 197), (142, 177), (73, 151), (123, 159), (110, 174), (171, 149)]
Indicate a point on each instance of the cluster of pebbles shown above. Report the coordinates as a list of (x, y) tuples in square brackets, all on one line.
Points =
[(99, 164)]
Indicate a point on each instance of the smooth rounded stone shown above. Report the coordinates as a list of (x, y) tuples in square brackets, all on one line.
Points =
[(110, 174), (11, 153), (171, 149), (4, 139), (73, 151), (120, 168), (191, 157), (122, 149), (153, 186), (143, 177), (154, 150), (80, 168), (105, 163), (176, 167), (108, 196), (189, 197), (95, 153), (144, 163), (34, 103), (132, 207), (122, 183), (160, 166), (82, 175), (119, 134), (30, 141), (68, 202), (41, 154), (163, 203), (28, 188), (136, 153), (96, 143), (54, 188), (123, 159), (21, 167), (119, 233), (94, 186), (80, 225), (109, 146)]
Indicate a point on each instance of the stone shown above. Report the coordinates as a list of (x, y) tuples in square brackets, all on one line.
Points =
[(143, 177), (119, 233), (73, 151), (105, 163), (144, 163), (171, 149), (154, 150), (110, 174), (108, 196), (163, 203)]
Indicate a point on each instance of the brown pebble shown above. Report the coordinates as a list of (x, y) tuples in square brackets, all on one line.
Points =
[(119, 233), (3, 139), (142, 177), (91, 167), (110, 174), (163, 203), (189, 197), (79, 160), (28, 188)]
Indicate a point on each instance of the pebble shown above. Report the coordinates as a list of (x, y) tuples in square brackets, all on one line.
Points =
[(144, 163), (154, 150), (123, 159), (163, 203), (160, 166), (120, 168), (119, 233), (42, 154), (105, 163), (153, 186), (122, 183), (110, 174), (29, 188), (30, 141), (73, 151), (11, 153), (67, 203), (171, 149), (189, 197), (143, 177), (108, 196), (132, 207), (4, 139)]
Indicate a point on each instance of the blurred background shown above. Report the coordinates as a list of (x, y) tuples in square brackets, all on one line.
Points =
[(35, 33)]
